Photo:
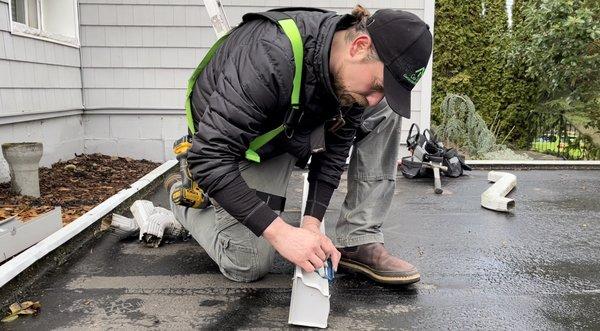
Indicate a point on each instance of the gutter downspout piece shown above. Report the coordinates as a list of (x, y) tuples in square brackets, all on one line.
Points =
[(309, 305), (123, 226), (494, 198), (155, 223)]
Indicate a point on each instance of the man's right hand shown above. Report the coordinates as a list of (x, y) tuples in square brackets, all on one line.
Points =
[(302, 247)]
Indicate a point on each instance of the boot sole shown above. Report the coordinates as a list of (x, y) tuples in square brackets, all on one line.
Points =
[(363, 269)]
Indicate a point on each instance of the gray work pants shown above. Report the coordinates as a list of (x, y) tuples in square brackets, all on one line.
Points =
[(371, 179), (243, 257)]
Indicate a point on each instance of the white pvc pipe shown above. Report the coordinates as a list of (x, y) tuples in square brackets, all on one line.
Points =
[(494, 198)]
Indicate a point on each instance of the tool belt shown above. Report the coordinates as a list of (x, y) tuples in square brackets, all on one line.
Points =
[(425, 148)]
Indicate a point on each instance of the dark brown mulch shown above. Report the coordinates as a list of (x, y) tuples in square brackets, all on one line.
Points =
[(77, 185)]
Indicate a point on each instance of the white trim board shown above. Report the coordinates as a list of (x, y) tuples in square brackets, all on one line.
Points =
[(19, 263), (7, 119), (133, 111), (23, 30)]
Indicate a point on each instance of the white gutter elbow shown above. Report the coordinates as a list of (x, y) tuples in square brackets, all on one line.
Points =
[(494, 198), (155, 222)]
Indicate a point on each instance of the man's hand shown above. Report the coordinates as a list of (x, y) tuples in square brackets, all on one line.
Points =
[(305, 248), (311, 224)]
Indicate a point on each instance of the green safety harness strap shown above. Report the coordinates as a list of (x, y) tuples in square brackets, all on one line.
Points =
[(291, 31), (192, 81)]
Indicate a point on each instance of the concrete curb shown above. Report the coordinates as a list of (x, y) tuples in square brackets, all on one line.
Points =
[(26, 259), (533, 164)]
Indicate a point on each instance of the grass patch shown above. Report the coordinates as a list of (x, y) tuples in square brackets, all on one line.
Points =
[(556, 148), (580, 121)]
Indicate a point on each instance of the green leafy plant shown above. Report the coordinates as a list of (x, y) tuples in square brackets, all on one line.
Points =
[(464, 129), (556, 44), (524, 77)]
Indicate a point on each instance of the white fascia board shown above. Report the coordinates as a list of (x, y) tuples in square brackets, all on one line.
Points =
[(22, 261)]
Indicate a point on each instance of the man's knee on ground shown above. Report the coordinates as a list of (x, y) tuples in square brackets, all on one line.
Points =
[(243, 264)]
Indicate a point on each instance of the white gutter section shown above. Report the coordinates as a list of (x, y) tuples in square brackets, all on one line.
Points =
[(12, 268), (494, 198), (309, 305), (16, 236)]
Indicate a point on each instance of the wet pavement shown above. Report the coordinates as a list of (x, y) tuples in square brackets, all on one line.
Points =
[(538, 268)]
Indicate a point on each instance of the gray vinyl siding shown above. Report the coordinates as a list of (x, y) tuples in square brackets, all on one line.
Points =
[(136, 57), (39, 78)]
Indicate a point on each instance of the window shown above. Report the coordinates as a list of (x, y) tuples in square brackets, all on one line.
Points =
[(54, 20), (26, 12)]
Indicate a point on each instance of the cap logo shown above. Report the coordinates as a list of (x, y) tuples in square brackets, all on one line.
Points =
[(414, 77)]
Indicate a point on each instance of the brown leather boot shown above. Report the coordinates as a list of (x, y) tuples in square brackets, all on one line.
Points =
[(374, 261)]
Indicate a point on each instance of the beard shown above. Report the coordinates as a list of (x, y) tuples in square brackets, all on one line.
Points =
[(345, 97)]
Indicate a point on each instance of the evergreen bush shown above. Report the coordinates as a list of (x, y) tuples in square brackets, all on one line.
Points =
[(463, 128)]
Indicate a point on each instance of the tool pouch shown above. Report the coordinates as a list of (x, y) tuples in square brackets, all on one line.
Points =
[(413, 168), (454, 162), (425, 147)]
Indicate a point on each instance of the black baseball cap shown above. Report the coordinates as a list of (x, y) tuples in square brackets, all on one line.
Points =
[(403, 43)]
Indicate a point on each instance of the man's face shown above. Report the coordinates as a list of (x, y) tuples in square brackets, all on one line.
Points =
[(359, 78)]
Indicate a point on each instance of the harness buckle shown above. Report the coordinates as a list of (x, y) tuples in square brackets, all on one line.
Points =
[(292, 119)]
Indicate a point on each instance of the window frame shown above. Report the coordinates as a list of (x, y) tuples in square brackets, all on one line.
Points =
[(24, 30)]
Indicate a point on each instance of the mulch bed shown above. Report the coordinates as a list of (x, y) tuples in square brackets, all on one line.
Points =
[(77, 185)]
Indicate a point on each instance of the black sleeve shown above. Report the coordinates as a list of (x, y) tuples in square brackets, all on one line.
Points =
[(254, 82), (326, 168)]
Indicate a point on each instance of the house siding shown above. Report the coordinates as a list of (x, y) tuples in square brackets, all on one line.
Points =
[(136, 57), (40, 94)]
